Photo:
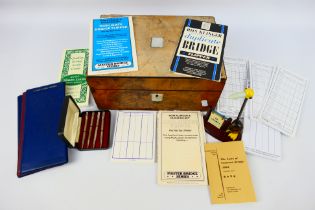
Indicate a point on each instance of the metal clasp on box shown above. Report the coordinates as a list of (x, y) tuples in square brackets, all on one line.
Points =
[(157, 97)]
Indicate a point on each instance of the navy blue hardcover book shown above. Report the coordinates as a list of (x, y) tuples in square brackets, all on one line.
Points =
[(19, 116), (39, 114)]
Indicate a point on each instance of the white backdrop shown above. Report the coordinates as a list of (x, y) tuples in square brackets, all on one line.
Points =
[(32, 37)]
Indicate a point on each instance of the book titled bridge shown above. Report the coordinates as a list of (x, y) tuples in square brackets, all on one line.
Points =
[(200, 50)]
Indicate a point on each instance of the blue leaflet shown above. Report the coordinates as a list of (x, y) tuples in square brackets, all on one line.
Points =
[(112, 47)]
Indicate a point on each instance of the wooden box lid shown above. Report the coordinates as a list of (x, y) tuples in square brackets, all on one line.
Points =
[(156, 62)]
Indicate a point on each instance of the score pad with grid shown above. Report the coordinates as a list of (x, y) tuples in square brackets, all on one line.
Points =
[(237, 72), (134, 137), (283, 106)]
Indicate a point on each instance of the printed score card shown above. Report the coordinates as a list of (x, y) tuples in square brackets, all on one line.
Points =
[(261, 140), (135, 136), (238, 78), (282, 109)]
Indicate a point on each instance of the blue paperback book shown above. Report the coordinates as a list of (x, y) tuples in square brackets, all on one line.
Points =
[(39, 114), (112, 45)]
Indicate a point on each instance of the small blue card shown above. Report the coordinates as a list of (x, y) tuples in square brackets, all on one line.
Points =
[(113, 46)]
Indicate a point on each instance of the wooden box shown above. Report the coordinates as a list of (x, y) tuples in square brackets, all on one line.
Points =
[(154, 86)]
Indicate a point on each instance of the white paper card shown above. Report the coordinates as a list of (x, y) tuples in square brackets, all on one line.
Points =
[(135, 136), (261, 80), (284, 103), (261, 140), (237, 73)]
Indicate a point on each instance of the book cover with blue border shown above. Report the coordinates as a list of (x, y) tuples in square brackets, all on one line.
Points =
[(200, 50), (112, 46)]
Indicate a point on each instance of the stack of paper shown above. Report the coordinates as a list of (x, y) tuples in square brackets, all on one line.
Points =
[(278, 99), (275, 107)]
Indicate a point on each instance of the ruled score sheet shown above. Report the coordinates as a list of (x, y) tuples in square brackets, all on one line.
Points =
[(238, 78), (135, 136), (283, 106), (261, 140)]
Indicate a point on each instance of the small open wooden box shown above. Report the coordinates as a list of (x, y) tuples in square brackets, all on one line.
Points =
[(154, 86), (86, 130)]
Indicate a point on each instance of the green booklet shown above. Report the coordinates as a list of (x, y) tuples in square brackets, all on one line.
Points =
[(73, 73)]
